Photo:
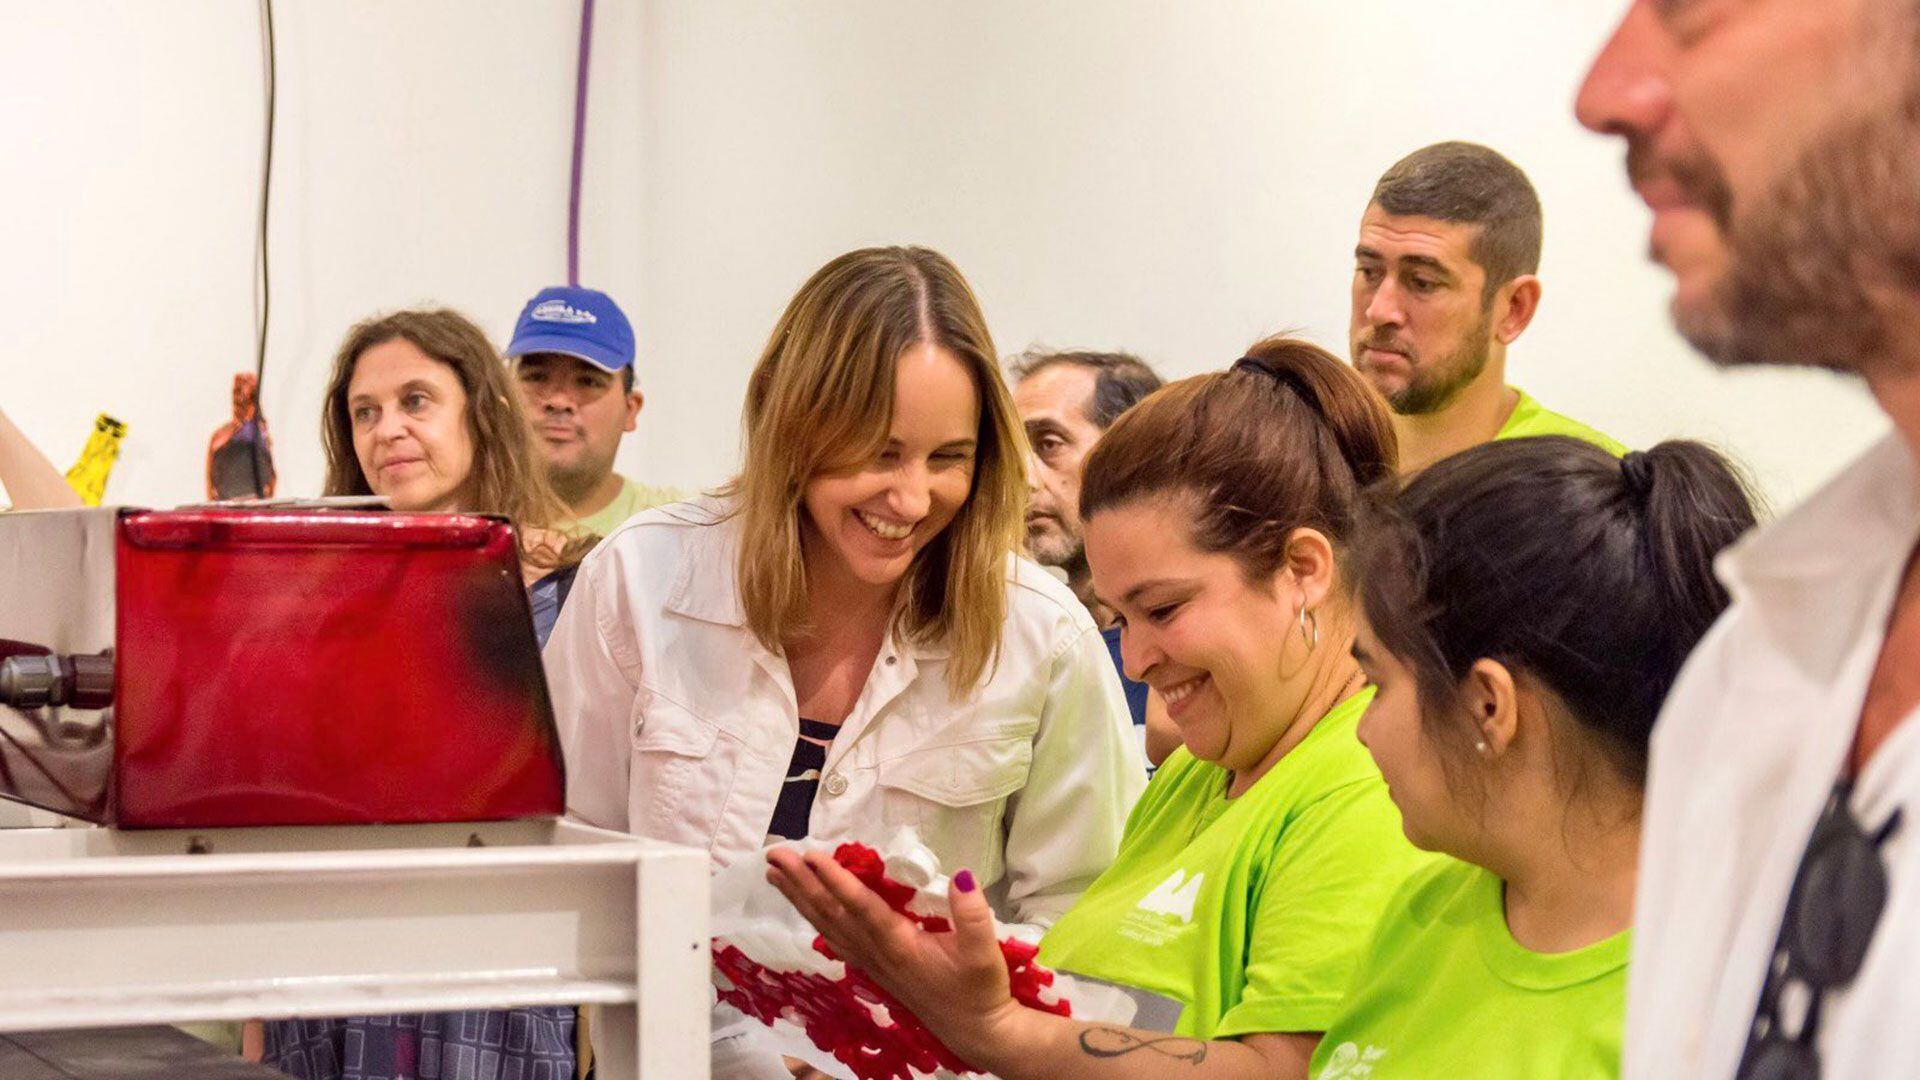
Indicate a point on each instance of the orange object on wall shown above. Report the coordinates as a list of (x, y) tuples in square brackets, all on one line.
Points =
[(240, 456)]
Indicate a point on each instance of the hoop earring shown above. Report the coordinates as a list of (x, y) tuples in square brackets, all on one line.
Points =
[(1309, 628)]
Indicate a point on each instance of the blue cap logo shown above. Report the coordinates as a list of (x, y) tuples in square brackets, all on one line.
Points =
[(582, 323), (561, 311)]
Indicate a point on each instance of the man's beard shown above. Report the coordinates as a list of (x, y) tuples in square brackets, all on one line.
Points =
[(1703, 324), (1057, 547), (1819, 258), (1435, 388), (575, 482)]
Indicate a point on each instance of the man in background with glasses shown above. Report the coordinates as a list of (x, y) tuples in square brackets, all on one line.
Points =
[(1778, 915)]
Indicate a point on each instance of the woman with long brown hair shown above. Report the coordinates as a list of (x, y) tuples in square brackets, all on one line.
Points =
[(420, 409), (846, 641)]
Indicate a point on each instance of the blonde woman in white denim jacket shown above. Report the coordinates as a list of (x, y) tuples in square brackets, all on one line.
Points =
[(862, 573)]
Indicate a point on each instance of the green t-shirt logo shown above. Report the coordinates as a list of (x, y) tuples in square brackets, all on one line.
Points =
[(1174, 897), (1349, 1062), (1250, 912)]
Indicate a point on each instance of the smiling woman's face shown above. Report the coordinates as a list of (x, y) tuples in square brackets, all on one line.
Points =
[(1194, 628), (873, 520), (409, 415)]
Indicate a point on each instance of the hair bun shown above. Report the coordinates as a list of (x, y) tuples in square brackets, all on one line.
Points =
[(1636, 468), (1286, 377)]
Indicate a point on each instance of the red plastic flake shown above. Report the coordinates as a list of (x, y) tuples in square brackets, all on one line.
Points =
[(852, 1018)]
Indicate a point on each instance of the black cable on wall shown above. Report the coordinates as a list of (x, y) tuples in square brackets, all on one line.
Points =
[(263, 280), (579, 140)]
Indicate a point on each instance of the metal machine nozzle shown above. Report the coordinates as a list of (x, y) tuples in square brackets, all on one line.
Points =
[(76, 682)]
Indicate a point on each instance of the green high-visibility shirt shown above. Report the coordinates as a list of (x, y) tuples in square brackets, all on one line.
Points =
[(1249, 913), (1532, 418), (1445, 991)]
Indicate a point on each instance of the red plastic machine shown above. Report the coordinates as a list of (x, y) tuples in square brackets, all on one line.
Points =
[(220, 667)]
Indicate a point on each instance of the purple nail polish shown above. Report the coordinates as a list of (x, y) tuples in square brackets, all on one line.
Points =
[(964, 881)]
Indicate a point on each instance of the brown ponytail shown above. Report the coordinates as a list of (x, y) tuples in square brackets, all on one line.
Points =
[(1283, 440)]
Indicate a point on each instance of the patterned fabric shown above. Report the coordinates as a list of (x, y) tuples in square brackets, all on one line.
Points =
[(515, 1044), (794, 811), (547, 596)]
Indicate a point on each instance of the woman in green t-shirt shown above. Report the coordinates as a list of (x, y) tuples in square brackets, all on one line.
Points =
[(1218, 511), (1525, 607)]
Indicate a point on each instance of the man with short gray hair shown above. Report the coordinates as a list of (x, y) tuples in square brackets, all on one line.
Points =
[(1067, 399)]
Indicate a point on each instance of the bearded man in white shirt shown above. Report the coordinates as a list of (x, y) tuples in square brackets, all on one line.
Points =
[(1778, 913)]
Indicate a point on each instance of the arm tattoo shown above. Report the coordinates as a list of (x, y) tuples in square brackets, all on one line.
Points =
[(1106, 1042)]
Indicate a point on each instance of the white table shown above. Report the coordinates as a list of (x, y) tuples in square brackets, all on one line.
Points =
[(103, 928)]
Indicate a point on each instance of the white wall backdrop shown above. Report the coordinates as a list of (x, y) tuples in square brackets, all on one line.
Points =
[(1172, 178), (421, 157)]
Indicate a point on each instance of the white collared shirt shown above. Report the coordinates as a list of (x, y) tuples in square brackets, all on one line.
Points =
[(1749, 744), (678, 724)]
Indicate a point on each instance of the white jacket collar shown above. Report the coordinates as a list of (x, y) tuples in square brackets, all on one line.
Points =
[(706, 584), (1820, 575)]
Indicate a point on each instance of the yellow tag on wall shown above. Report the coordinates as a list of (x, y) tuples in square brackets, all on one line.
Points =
[(89, 475)]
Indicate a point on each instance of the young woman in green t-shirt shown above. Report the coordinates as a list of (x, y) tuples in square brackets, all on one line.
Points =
[(1218, 511), (1525, 607)]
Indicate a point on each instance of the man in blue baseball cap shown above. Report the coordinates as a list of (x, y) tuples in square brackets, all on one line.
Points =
[(573, 352)]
